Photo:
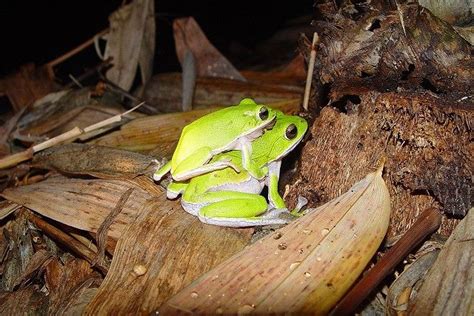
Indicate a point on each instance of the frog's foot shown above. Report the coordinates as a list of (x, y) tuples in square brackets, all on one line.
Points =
[(271, 217), (162, 171), (299, 209)]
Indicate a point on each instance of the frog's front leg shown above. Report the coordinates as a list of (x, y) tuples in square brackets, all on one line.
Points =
[(274, 197), (247, 163), (237, 209), (196, 165)]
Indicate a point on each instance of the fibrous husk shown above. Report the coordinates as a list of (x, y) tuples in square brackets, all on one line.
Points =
[(304, 267), (426, 141), (386, 49)]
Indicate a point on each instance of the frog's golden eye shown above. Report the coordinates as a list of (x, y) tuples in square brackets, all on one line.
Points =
[(263, 113), (291, 131)]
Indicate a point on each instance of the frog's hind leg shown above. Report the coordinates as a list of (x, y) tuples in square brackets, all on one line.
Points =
[(237, 209)]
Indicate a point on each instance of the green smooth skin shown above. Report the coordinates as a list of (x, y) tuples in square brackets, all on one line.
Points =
[(227, 198), (232, 128)]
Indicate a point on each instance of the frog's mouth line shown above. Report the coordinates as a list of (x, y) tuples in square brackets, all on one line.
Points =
[(271, 125)]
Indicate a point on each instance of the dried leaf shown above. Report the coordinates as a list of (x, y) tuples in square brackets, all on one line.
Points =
[(25, 86), (27, 301), (89, 159), (165, 91), (35, 266), (188, 36), (396, 302), (448, 286), (160, 253), (53, 112), (130, 41), (80, 203), (304, 267), (66, 282), (17, 252)]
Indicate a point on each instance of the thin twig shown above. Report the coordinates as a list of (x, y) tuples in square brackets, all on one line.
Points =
[(75, 81), (309, 77), (426, 224), (76, 50), (114, 88), (12, 160), (105, 64)]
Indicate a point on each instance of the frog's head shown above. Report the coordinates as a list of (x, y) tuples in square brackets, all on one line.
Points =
[(282, 138), (258, 117)]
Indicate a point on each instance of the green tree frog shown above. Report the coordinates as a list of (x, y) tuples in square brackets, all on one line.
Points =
[(227, 198), (232, 128)]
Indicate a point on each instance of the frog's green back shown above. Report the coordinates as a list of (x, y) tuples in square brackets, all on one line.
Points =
[(219, 129)]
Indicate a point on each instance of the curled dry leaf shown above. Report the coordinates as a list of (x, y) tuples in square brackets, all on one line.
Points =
[(188, 36), (89, 159), (304, 267), (448, 286), (401, 289)]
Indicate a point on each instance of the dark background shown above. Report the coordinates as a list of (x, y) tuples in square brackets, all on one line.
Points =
[(40, 31)]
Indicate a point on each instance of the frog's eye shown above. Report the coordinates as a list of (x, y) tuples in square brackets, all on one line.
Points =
[(291, 131), (263, 113)]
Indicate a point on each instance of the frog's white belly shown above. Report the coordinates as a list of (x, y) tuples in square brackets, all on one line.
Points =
[(252, 186)]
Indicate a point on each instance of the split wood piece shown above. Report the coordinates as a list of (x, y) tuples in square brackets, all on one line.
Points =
[(6, 208), (448, 287), (71, 243), (162, 251), (80, 203), (302, 268), (165, 92), (427, 223), (76, 132), (291, 74), (23, 301), (145, 134)]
